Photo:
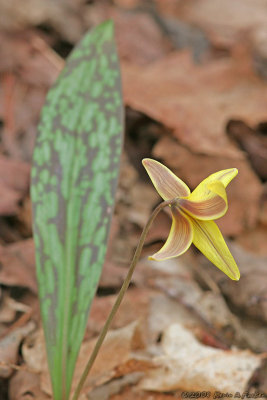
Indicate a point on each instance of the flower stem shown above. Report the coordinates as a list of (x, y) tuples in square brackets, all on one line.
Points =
[(120, 297)]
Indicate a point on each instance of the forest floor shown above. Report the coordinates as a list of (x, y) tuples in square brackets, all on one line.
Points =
[(195, 89)]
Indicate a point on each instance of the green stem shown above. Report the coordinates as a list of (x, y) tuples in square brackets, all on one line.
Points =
[(120, 297)]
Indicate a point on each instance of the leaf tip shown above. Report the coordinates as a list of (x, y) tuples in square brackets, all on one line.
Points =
[(107, 27)]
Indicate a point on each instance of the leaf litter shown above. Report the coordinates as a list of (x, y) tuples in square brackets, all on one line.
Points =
[(187, 80)]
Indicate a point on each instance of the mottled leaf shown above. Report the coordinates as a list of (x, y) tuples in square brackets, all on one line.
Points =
[(74, 176)]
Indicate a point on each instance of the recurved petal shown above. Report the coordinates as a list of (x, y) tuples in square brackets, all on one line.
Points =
[(202, 190), (209, 240), (179, 239), (213, 204), (167, 184)]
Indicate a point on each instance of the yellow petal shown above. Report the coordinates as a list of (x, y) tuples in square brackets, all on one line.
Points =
[(213, 205), (209, 240), (166, 182), (179, 240), (203, 189)]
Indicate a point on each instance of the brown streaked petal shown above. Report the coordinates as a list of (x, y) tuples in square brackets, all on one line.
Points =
[(213, 204), (167, 184), (179, 239)]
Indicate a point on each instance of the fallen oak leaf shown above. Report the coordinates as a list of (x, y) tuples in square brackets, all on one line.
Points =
[(17, 265), (220, 89), (235, 21), (14, 181), (9, 346), (188, 365), (139, 39), (253, 143), (25, 385), (249, 295)]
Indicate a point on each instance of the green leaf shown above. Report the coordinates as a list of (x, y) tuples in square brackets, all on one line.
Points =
[(74, 178)]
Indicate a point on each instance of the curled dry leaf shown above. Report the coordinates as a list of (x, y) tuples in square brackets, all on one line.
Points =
[(7, 312), (139, 38), (25, 385), (136, 300), (60, 16), (9, 307), (9, 348), (249, 294), (253, 143), (234, 20), (165, 312), (254, 240), (28, 68), (33, 352), (114, 387), (36, 62), (255, 333), (18, 265), (184, 302), (14, 181), (188, 365), (219, 90), (115, 352)]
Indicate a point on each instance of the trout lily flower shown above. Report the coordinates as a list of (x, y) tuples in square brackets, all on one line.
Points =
[(193, 215)]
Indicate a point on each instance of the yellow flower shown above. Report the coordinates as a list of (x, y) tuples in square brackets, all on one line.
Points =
[(193, 215)]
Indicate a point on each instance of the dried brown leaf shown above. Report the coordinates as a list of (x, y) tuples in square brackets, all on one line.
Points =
[(14, 181), (249, 294), (33, 352), (235, 21), (254, 240), (136, 300), (34, 12), (18, 265), (9, 346), (188, 365), (139, 39), (196, 101), (254, 143), (25, 385)]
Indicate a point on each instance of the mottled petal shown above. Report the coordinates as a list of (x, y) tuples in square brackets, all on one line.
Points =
[(209, 240), (179, 240), (166, 182), (202, 190), (213, 205)]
